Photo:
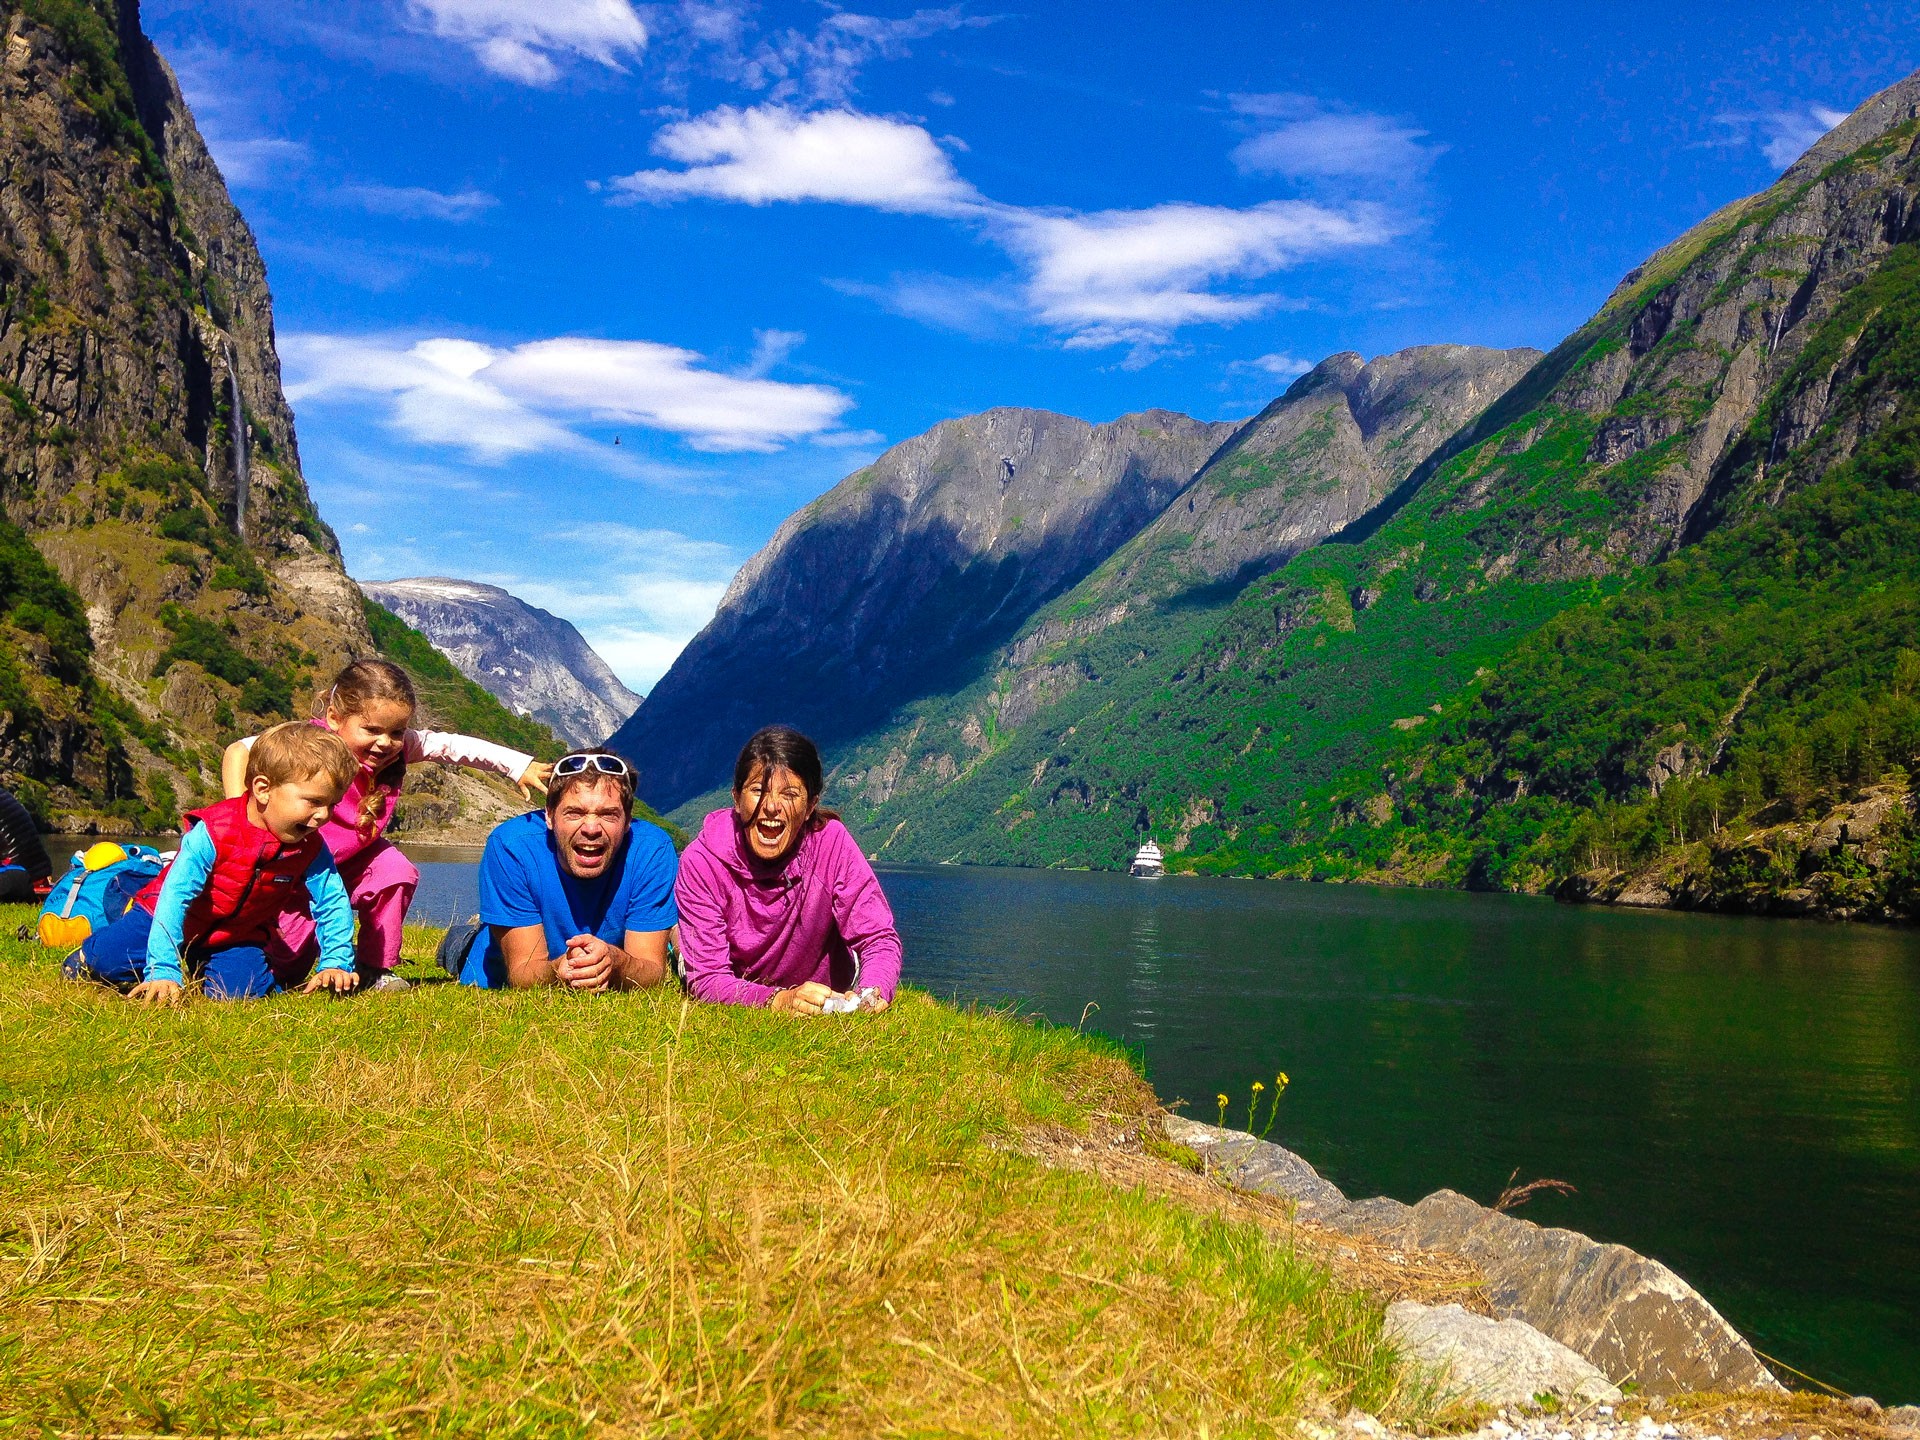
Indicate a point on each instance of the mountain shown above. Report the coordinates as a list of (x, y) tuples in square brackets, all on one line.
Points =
[(1343, 440), (1344, 437), (534, 662), (1654, 606), (152, 602), (899, 577)]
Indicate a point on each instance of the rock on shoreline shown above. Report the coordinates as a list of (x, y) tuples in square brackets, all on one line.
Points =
[(1630, 1318)]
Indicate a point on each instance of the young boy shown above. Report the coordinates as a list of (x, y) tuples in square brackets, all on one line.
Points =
[(241, 864)]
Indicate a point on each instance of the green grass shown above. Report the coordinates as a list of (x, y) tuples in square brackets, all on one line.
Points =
[(454, 1212)]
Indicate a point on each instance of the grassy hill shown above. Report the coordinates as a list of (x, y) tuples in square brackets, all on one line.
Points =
[(538, 1214)]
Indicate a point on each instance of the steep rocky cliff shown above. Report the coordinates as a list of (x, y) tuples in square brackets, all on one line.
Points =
[(534, 662), (133, 305), (893, 582)]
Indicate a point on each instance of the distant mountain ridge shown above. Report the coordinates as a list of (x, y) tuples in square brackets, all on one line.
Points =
[(901, 575), (533, 661)]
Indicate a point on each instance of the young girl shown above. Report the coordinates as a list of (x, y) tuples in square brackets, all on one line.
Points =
[(370, 706)]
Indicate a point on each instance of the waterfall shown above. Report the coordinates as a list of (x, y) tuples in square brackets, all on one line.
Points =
[(240, 480)]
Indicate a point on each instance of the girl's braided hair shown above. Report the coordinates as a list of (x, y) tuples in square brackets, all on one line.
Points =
[(361, 684)]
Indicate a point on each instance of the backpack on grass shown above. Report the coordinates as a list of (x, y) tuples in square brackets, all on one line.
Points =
[(95, 892)]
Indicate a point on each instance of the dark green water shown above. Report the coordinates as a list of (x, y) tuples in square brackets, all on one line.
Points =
[(1740, 1098)]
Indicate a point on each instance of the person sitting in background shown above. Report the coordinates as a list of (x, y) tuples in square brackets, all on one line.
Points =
[(243, 864), (580, 895), (778, 907)]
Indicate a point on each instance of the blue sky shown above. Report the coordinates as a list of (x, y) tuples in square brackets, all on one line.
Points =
[(757, 244)]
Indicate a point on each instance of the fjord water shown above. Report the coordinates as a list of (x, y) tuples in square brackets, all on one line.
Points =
[(1738, 1097)]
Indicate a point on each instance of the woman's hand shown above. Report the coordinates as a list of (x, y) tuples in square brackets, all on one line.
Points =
[(534, 777), (156, 992), (339, 981), (806, 999)]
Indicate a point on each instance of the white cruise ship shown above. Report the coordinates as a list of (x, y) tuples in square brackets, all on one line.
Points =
[(1148, 862)]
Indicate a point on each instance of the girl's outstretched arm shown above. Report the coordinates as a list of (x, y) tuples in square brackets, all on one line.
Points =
[(444, 748), (233, 768)]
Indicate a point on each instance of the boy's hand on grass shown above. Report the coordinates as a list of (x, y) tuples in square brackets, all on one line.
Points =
[(156, 992), (587, 965), (340, 982)]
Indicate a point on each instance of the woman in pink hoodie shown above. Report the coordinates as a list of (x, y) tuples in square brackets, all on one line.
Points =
[(778, 907)]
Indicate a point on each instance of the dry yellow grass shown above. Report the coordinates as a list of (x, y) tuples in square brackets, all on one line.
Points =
[(453, 1212)]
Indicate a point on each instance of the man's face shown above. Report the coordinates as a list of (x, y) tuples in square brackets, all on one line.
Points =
[(294, 809), (588, 825)]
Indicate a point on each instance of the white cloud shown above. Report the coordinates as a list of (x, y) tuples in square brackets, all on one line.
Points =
[(253, 164), (966, 307), (519, 39), (1279, 365), (1135, 276), (1306, 141), (492, 403), (414, 202), (1105, 278), (770, 348), (821, 67), (771, 153), (1782, 135), (849, 439), (1790, 133)]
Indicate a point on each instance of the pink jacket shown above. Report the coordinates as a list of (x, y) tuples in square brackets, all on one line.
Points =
[(748, 929)]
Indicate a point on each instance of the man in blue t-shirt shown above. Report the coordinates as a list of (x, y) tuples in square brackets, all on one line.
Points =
[(579, 896)]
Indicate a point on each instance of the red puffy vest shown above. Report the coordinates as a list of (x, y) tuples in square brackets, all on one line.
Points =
[(255, 879)]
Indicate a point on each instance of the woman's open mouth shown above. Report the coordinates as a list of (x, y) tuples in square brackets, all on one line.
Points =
[(770, 832)]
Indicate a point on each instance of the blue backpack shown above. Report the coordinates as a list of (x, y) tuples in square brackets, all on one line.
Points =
[(96, 891)]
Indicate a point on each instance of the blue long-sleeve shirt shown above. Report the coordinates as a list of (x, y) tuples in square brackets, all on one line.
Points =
[(332, 913)]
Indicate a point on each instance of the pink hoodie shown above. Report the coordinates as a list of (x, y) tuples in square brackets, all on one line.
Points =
[(748, 928)]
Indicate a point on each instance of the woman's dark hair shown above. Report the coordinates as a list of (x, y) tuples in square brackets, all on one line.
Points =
[(781, 747)]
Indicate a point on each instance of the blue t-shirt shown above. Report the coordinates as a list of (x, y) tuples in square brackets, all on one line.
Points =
[(521, 883)]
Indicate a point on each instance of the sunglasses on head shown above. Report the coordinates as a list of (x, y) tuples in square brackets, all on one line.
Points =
[(605, 764)]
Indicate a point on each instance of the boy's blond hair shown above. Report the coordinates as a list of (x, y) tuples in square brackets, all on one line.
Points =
[(299, 751)]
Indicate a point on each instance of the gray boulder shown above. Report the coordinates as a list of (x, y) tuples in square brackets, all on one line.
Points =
[(1492, 1362), (1629, 1316)]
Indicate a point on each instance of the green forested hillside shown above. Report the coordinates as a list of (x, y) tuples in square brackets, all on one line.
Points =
[(1661, 596), (1768, 673)]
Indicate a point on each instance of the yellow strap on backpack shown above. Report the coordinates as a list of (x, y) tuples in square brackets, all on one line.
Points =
[(63, 932)]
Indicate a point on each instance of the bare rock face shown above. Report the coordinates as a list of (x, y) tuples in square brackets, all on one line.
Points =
[(934, 554), (133, 304), (1628, 1316), (1492, 1362), (532, 661), (1343, 438)]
